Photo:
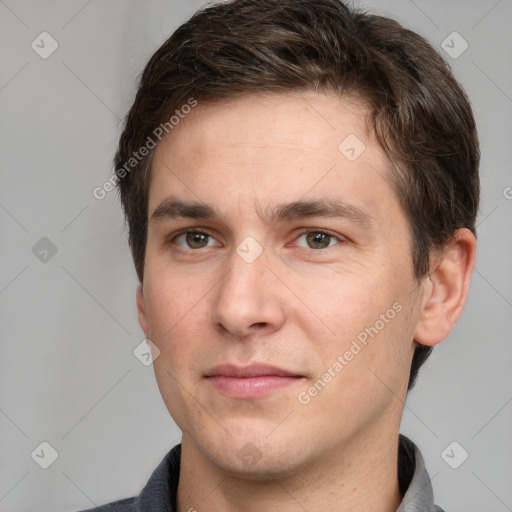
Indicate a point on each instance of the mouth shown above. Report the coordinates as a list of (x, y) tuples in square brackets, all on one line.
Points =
[(250, 381)]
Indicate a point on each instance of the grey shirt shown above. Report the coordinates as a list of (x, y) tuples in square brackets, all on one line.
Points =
[(159, 494)]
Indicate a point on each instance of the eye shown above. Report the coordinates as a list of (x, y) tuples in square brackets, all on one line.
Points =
[(199, 239), (193, 239), (319, 239)]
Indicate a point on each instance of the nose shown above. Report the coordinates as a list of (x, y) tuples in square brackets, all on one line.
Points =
[(248, 299)]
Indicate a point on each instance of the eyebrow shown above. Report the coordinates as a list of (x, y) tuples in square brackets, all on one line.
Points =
[(173, 208)]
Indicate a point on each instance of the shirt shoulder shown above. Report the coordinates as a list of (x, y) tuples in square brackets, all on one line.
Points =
[(159, 493), (124, 505)]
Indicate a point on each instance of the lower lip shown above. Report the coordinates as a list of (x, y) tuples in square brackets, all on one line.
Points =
[(246, 387)]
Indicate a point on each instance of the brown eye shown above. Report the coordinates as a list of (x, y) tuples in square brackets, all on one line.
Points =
[(318, 239), (193, 240), (196, 240)]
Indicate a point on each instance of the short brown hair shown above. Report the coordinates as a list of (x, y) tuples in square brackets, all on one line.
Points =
[(417, 110)]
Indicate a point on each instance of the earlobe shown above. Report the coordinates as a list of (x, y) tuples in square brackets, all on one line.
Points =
[(141, 310), (445, 290)]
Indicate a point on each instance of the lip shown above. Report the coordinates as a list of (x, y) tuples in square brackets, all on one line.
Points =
[(252, 370), (251, 381)]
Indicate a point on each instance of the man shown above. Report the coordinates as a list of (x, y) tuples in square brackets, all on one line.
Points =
[(300, 182)]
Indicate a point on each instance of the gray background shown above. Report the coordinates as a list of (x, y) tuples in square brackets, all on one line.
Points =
[(68, 375)]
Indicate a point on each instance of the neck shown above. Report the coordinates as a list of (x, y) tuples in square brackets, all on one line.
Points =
[(359, 475)]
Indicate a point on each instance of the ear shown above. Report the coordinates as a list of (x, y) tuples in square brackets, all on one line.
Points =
[(446, 288), (141, 310)]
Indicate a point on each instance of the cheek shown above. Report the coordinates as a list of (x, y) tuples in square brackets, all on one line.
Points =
[(177, 393), (169, 297), (175, 317), (361, 377), (177, 326), (367, 320), (343, 304)]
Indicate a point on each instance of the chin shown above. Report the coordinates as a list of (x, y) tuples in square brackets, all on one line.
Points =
[(260, 458)]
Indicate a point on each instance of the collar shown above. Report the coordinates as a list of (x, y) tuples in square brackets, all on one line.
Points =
[(414, 481)]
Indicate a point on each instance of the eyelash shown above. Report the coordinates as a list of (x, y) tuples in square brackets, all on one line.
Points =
[(172, 238)]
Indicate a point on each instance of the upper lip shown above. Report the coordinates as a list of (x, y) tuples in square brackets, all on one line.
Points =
[(252, 370)]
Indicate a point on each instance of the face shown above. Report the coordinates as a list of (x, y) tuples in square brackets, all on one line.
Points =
[(323, 290)]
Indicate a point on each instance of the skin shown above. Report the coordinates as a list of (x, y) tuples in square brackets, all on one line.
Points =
[(297, 306)]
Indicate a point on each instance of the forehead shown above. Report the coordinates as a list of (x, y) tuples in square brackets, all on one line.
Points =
[(270, 125), (270, 149)]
